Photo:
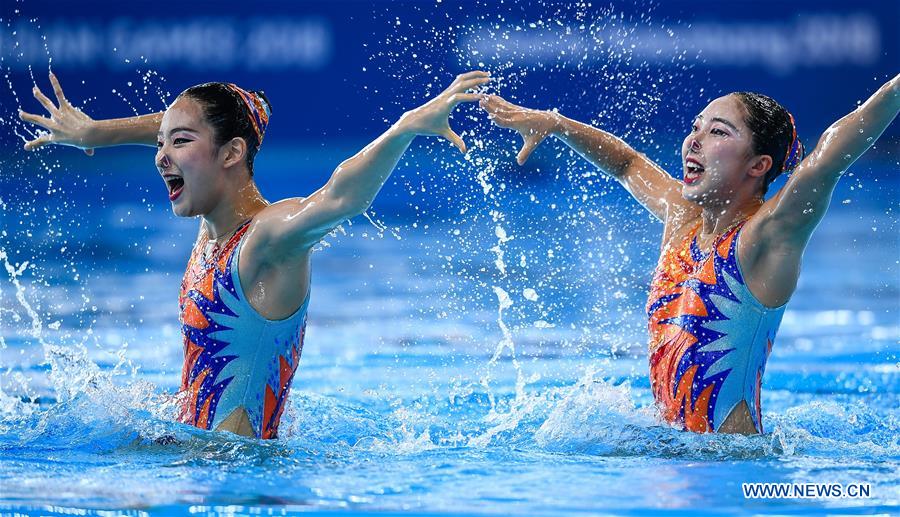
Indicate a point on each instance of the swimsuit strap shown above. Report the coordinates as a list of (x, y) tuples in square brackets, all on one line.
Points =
[(699, 255), (219, 249)]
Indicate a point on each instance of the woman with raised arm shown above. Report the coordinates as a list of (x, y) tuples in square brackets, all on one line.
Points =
[(245, 292), (730, 259)]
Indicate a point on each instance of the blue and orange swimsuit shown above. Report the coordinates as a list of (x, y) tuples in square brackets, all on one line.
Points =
[(233, 357), (709, 336)]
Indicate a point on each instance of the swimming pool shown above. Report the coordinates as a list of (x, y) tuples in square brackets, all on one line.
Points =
[(487, 360)]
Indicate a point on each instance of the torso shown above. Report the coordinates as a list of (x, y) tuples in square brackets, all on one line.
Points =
[(238, 364), (709, 336)]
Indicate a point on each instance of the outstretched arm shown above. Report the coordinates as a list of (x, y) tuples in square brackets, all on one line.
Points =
[(68, 125), (644, 179), (791, 215), (291, 227)]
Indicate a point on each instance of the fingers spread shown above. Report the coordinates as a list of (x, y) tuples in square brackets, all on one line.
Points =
[(37, 119), (57, 89), (454, 139), (45, 102)]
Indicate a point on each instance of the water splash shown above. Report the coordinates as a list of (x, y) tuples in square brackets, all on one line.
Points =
[(17, 404)]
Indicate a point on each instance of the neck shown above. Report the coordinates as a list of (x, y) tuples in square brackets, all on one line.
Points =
[(717, 219), (234, 210)]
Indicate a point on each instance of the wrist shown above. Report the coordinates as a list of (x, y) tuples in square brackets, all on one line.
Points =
[(404, 127), (400, 134), (554, 121), (93, 134)]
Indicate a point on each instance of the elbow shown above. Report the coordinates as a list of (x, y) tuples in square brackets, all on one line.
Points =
[(623, 169)]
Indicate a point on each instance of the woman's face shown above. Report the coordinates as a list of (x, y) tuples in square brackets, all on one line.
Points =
[(188, 159), (717, 153)]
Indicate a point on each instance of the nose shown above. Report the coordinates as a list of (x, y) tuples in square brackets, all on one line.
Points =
[(695, 145), (162, 160)]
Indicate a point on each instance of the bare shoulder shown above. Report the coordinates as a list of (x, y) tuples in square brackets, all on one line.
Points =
[(270, 226), (283, 208), (267, 221)]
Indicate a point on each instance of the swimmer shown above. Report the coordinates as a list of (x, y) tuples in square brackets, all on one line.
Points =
[(245, 291), (730, 260)]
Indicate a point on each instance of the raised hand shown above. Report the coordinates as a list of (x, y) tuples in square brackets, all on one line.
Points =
[(533, 125), (432, 118), (67, 124)]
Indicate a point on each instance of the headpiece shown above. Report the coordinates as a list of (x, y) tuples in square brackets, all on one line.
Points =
[(795, 152), (258, 110)]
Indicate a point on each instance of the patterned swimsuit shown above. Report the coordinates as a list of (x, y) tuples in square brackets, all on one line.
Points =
[(233, 357), (709, 336)]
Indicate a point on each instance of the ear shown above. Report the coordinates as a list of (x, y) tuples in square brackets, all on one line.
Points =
[(234, 152), (760, 165)]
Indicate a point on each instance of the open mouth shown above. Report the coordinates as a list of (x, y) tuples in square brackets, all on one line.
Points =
[(692, 172), (175, 185)]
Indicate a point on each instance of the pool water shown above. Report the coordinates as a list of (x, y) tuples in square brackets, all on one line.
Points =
[(490, 360)]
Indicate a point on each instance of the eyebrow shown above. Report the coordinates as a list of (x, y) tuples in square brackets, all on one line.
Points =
[(722, 120), (177, 129)]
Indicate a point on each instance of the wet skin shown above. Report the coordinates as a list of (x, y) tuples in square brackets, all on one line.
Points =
[(213, 182), (727, 190), (723, 185)]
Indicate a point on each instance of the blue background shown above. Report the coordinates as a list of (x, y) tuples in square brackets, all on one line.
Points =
[(325, 68), (339, 73)]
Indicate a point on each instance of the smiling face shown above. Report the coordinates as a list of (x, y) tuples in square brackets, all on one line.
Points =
[(188, 159), (717, 155)]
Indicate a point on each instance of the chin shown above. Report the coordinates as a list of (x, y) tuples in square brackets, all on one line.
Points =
[(691, 193), (698, 196), (181, 210)]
